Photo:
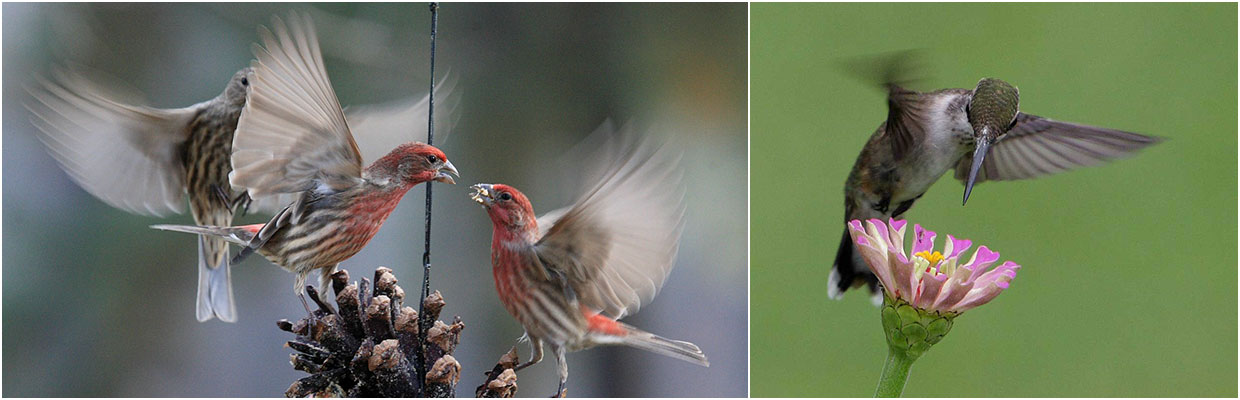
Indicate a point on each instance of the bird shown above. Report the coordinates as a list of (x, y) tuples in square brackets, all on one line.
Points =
[(293, 140), (570, 275), (980, 133), (148, 161)]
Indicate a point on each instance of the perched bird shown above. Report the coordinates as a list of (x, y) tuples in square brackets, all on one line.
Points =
[(293, 141), (569, 276), (148, 161), (980, 133)]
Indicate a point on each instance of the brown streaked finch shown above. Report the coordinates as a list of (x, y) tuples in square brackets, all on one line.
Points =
[(293, 141), (569, 276), (148, 161)]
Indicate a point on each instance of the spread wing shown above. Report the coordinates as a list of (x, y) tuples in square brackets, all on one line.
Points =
[(1037, 146), (292, 135), (617, 243), (127, 156), (380, 128)]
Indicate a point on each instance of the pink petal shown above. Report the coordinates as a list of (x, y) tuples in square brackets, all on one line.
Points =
[(982, 294), (1008, 269), (897, 236), (981, 260), (901, 276), (931, 284), (923, 239), (879, 230), (957, 246), (953, 290), (855, 225)]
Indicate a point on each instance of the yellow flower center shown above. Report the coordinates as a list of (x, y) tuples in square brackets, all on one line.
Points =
[(933, 258)]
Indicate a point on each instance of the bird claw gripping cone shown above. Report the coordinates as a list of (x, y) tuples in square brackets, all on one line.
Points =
[(367, 346)]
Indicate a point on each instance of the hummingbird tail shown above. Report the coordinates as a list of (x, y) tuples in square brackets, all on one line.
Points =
[(848, 268)]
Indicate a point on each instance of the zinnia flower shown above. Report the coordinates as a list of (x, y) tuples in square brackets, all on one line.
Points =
[(923, 294), (930, 280)]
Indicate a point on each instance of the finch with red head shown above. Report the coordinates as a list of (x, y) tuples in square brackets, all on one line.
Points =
[(569, 276), (293, 141)]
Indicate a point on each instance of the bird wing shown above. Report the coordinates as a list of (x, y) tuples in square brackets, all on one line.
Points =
[(616, 245), (127, 156), (292, 135), (905, 116), (380, 128), (1037, 146)]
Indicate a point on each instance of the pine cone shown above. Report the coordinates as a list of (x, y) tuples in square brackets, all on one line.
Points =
[(369, 347)]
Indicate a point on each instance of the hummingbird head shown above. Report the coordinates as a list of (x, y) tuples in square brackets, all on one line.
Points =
[(239, 87), (992, 111)]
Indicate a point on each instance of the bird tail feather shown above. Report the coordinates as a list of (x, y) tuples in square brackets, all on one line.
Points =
[(660, 345)]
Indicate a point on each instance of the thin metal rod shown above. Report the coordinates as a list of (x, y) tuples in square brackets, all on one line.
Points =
[(423, 325)]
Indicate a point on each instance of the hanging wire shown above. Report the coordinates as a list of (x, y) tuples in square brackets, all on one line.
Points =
[(423, 323)]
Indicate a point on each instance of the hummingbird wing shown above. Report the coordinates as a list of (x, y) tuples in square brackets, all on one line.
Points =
[(380, 128), (292, 135), (127, 156), (906, 116), (1037, 146), (616, 245)]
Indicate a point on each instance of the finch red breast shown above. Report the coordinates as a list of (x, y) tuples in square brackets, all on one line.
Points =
[(293, 141), (569, 276)]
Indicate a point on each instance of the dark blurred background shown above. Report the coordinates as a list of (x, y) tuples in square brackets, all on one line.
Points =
[(1129, 279), (97, 304)]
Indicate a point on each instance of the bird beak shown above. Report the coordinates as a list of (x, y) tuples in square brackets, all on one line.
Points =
[(443, 176), (979, 155), (482, 194)]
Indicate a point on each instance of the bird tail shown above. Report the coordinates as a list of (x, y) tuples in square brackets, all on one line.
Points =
[(647, 341), (215, 294), (848, 269), (235, 234)]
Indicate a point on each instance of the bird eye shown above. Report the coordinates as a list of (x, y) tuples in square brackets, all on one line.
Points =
[(245, 81), (505, 196), (432, 158)]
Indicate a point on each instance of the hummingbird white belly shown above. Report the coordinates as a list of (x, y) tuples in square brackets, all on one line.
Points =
[(949, 136)]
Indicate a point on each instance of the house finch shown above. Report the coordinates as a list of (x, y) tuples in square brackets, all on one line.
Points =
[(293, 141), (570, 275), (147, 161)]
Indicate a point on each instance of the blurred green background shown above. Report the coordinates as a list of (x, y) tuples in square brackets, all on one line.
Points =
[(98, 304), (1129, 279)]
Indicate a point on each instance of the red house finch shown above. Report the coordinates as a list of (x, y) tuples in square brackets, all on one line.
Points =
[(567, 277), (293, 139), (147, 160)]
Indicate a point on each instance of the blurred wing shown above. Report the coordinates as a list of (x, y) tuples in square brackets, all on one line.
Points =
[(1037, 146), (617, 244), (292, 134), (905, 113), (127, 156), (380, 128), (546, 221), (273, 204)]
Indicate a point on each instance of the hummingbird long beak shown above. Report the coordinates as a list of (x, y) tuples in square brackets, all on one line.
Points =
[(983, 146), (443, 176)]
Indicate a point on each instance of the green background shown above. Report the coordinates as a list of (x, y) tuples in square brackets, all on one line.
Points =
[(1129, 279)]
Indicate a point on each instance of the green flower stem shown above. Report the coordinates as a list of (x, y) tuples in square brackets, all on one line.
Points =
[(910, 332), (895, 374)]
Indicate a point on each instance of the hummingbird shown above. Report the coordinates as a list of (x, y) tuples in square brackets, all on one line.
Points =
[(981, 134)]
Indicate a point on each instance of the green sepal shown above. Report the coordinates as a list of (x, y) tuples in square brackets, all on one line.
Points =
[(910, 330)]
